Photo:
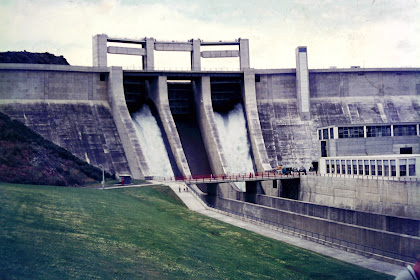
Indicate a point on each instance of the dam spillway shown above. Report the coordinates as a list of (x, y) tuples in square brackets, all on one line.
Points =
[(234, 139), (150, 137)]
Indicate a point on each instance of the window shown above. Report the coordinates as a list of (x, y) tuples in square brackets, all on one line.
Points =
[(102, 77), (360, 167), (372, 167), (351, 132), (378, 131), (393, 168), (320, 134), (328, 166), (405, 130), (354, 166), (331, 133), (406, 151), (403, 167), (366, 167), (411, 167), (348, 166), (343, 166), (337, 163), (379, 167), (325, 133), (386, 167), (332, 166)]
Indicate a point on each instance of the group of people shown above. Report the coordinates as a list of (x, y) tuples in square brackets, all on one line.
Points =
[(183, 189)]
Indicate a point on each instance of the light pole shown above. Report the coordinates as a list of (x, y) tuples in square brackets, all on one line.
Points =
[(103, 177)]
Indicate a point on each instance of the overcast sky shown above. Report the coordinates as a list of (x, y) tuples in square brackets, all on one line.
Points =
[(342, 33)]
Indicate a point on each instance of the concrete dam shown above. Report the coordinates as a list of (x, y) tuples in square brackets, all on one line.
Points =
[(97, 113)]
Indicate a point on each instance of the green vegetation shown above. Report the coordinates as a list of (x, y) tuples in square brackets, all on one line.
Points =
[(26, 157), (140, 233)]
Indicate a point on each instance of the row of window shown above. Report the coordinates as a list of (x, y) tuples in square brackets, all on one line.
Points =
[(371, 131), (407, 167)]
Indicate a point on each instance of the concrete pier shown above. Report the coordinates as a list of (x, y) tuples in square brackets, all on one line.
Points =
[(138, 165), (159, 95)]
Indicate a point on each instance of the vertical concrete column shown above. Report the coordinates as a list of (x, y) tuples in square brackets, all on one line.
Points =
[(253, 122), (149, 57), (244, 53), (125, 126), (99, 50), (196, 55), (159, 95), (302, 83), (208, 126)]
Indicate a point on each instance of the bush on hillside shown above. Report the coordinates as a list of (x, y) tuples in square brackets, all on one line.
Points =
[(27, 157)]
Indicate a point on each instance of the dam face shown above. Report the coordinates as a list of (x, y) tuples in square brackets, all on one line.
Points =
[(88, 110), (292, 117)]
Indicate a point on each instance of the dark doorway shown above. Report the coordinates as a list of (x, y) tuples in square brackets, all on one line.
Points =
[(323, 148), (290, 188)]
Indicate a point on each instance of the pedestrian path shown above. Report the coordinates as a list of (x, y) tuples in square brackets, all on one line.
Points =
[(195, 204)]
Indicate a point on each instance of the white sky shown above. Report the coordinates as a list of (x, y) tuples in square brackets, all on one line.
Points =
[(342, 33)]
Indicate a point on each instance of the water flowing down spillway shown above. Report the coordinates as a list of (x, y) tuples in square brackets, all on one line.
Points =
[(234, 139), (151, 141)]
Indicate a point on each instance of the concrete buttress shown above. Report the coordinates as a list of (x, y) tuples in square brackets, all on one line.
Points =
[(254, 127), (125, 126), (159, 95), (208, 127)]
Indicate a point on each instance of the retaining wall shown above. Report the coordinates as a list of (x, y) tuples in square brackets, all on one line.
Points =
[(386, 197), (347, 216), (391, 242)]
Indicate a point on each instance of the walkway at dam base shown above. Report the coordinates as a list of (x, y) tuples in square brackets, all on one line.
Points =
[(194, 203), (393, 239)]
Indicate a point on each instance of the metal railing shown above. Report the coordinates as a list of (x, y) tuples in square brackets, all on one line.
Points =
[(324, 239), (240, 177)]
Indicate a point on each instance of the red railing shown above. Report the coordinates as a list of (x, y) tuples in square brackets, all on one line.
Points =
[(230, 177)]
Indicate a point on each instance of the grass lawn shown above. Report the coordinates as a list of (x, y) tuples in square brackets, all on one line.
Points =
[(140, 233)]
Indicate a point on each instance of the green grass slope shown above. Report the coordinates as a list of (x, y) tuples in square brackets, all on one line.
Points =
[(140, 233), (27, 157)]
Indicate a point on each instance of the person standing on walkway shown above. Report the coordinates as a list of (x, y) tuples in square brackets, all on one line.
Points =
[(410, 272)]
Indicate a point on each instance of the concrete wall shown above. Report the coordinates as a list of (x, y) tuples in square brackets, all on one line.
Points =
[(86, 129), (384, 197), (52, 82), (360, 218), (290, 141), (388, 241), (68, 106), (363, 83)]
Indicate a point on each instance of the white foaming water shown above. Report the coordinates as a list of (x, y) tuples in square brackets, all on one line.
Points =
[(151, 141), (234, 139)]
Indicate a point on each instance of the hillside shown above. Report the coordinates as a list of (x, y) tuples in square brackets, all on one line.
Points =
[(27, 157), (32, 58), (140, 233)]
